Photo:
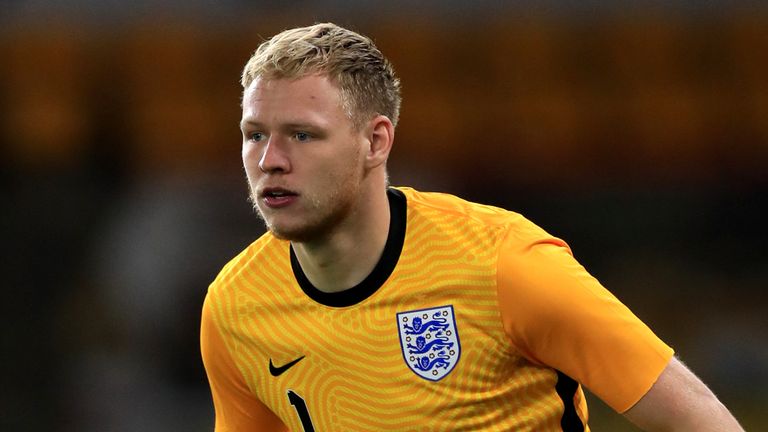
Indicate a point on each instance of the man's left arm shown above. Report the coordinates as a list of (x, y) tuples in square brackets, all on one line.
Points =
[(680, 401)]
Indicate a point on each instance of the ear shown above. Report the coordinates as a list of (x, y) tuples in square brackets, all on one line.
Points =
[(380, 135)]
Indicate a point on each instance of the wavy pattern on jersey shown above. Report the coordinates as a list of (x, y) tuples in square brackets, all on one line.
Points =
[(354, 376), (319, 383), (449, 250)]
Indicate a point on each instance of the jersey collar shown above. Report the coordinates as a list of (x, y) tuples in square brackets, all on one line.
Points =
[(379, 275)]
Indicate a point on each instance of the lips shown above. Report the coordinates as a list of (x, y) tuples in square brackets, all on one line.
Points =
[(278, 197)]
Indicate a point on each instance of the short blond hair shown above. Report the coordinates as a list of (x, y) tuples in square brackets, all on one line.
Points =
[(365, 77)]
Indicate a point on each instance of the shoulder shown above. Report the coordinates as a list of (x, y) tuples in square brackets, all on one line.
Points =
[(265, 248), (436, 204), (475, 218)]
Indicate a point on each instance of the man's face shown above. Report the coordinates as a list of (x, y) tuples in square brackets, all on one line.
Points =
[(303, 158)]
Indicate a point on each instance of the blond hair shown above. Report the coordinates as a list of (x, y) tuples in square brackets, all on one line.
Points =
[(351, 61)]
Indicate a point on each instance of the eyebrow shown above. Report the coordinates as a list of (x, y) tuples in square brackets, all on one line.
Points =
[(245, 123), (284, 126)]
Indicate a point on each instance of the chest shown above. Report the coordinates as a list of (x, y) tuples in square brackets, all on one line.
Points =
[(411, 350)]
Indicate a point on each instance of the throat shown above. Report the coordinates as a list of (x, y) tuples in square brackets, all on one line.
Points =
[(352, 271), (341, 267)]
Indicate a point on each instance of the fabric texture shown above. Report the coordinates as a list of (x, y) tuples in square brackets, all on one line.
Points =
[(520, 326)]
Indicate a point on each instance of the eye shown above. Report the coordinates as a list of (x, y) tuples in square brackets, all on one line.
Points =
[(256, 136), (302, 136)]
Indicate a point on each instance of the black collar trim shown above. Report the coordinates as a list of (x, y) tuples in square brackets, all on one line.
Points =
[(379, 275)]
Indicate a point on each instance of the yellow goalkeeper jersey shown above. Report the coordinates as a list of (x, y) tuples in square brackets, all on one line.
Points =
[(474, 319)]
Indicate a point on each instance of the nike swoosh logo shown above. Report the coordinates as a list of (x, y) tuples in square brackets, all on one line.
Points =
[(279, 370)]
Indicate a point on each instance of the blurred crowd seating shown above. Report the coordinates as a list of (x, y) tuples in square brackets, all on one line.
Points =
[(623, 99)]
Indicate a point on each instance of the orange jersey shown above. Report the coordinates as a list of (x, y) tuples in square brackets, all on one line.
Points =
[(474, 319)]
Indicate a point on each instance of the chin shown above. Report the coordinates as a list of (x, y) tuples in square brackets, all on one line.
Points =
[(305, 229), (282, 235), (292, 236), (290, 233), (303, 232)]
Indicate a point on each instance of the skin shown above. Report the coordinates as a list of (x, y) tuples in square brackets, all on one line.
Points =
[(680, 401), (297, 138)]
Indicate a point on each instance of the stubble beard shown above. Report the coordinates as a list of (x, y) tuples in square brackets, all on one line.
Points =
[(323, 213)]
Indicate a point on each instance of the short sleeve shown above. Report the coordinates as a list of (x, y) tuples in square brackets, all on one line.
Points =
[(558, 315), (237, 409)]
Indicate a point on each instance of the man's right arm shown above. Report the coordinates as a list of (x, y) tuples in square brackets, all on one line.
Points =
[(237, 409)]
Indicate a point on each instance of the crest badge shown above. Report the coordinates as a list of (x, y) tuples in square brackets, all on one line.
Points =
[(430, 341)]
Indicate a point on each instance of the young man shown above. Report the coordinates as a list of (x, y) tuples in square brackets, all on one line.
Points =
[(371, 308)]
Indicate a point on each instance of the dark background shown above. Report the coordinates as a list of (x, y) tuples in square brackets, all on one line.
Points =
[(637, 133)]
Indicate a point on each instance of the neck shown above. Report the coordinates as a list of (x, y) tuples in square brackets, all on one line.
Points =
[(347, 256)]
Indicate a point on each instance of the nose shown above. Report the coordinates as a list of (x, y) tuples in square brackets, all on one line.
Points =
[(274, 158)]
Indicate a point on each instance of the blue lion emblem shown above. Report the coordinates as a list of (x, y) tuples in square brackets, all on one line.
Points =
[(420, 327), (440, 361), (422, 346), (429, 341)]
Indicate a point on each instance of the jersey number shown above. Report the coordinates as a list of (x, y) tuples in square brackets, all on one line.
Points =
[(301, 409)]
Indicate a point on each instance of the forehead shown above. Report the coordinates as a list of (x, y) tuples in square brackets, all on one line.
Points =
[(281, 99)]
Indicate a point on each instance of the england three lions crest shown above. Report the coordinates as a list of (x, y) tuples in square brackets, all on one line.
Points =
[(429, 341)]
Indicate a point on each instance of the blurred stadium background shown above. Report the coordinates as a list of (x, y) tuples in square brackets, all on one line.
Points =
[(635, 131)]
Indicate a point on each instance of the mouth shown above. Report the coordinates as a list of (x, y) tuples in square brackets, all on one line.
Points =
[(276, 193), (278, 197)]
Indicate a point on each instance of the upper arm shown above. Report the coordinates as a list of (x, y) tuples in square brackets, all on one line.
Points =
[(679, 401), (556, 314), (236, 407)]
